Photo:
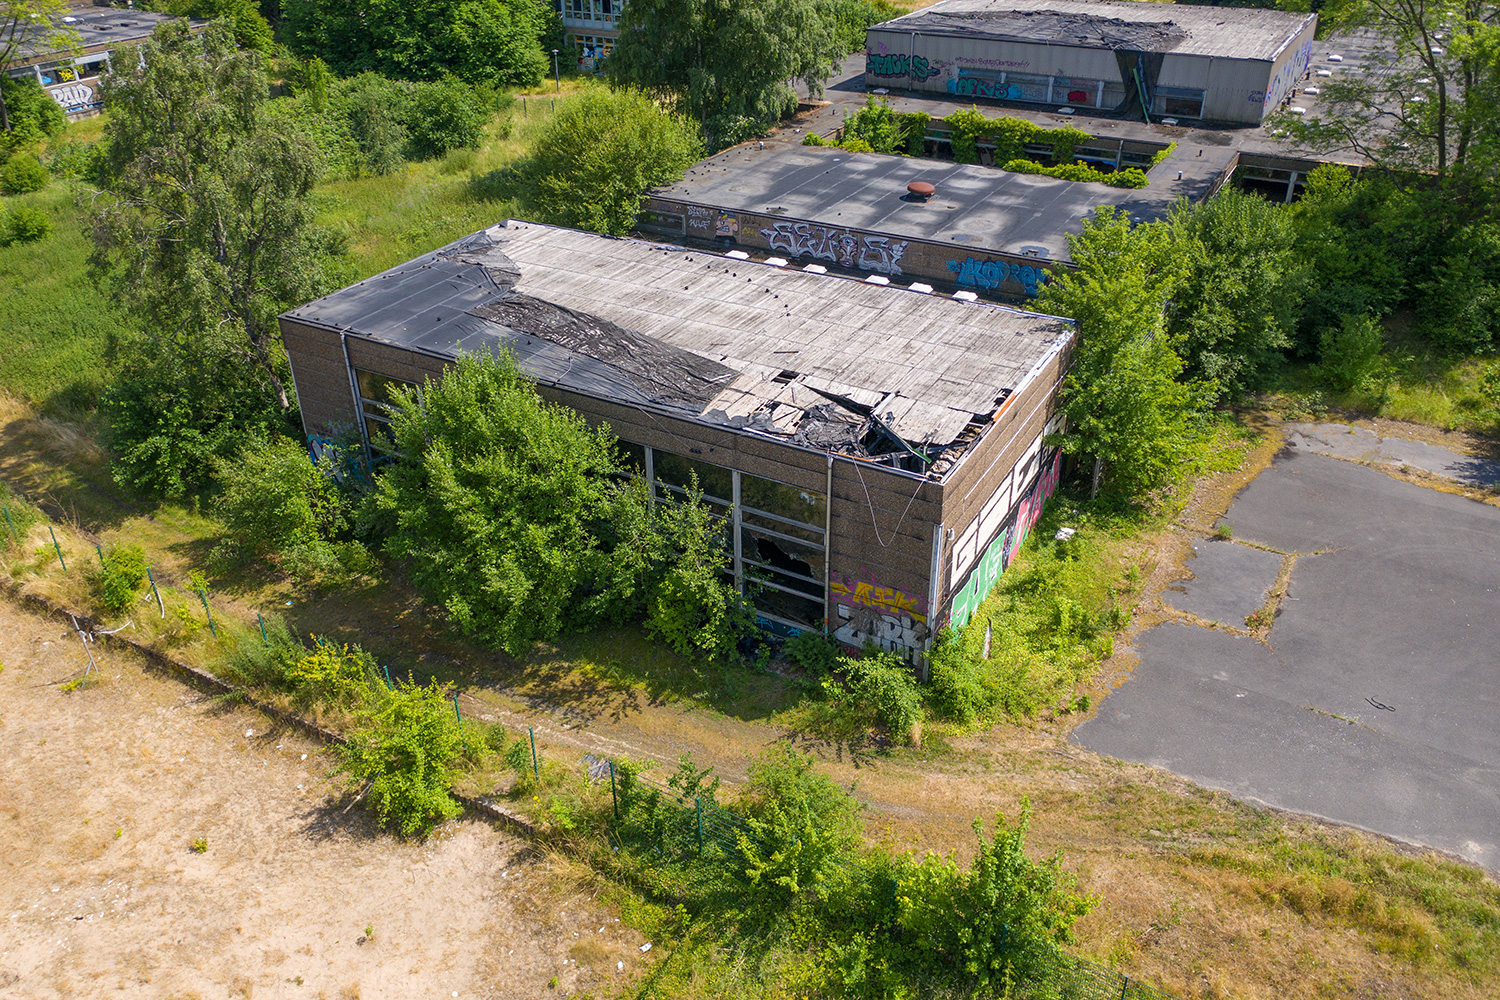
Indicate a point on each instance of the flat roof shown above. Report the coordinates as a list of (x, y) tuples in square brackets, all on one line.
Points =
[(804, 357), (1221, 32), (98, 28), (975, 208)]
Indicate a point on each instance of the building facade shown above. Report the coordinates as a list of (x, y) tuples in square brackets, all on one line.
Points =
[(876, 454), (1175, 61), (591, 26)]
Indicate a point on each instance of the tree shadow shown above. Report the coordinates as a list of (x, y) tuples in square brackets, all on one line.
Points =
[(57, 464)]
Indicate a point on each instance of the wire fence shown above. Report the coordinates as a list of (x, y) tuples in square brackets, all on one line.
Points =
[(669, 824)]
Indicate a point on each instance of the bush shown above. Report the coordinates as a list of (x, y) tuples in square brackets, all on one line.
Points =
[(24, 224), (34, 115), (806, 830), (265, 663), (344, 676), (814, 652), (277, 503), (118, 580), (884, 688), (408, 755), (375, 110), (1130, 177), (444, 116), (1351, 356), (22, 173)]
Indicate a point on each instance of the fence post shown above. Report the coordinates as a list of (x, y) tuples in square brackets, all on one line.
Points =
[(101, 553), (388, 685), (262, 622), (699, 804), (1125, 988), (211, 626), (10, 524), (57, 547), (156, 593), (535, 768), (613, 797), (457, 714)]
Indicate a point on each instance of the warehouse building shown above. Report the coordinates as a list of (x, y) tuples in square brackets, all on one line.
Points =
[(71, 75), (877, 453), (1219, 64)]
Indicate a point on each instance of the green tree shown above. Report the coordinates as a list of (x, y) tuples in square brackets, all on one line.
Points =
[(1236, 309), (1122, 397), (276, 502), (592, 166), (27, 26), (480, 41), (726, 63), (32, 115), (251, 29), (208, 228), (1434, 108)]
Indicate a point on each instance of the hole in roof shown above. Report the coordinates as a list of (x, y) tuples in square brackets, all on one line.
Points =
[(786, 376)]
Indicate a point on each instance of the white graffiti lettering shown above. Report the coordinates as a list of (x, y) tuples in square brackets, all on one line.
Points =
[(869, 253)]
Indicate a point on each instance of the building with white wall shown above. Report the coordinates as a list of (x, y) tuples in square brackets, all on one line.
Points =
[(1216, 64)]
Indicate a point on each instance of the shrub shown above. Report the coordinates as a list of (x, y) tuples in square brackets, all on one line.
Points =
[(408, 754), (22, 173), (276, 502), (118, 580), (884, 688), (443, 116), (1130, 177), (331, 674), (806, 829), (814, 652), (691, 608), (24, 224), (375, 109), (1351, 356), (265, 663), (34, 115)]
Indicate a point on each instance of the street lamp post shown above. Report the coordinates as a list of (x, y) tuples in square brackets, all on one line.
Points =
[(557, 75)]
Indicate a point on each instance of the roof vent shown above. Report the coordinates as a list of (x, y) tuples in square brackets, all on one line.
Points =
[(920, 190)]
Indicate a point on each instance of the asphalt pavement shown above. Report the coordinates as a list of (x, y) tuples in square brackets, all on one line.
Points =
[(1374, 701)]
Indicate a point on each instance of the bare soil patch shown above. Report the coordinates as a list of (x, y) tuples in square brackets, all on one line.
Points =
[(103, 791)]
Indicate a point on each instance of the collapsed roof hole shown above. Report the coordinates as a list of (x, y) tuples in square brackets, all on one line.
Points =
[(786, 376)]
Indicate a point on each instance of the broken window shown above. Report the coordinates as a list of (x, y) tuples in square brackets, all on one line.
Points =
[(377, 405)]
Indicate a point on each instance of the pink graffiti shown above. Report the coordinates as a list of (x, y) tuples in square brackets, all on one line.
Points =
[(887, 600)]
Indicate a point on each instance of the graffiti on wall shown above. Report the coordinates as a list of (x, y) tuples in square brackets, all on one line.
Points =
[(1290, 72), (868, 253), (1002, 551), (885, 616), (990, 274), (712, 223), (974, 86), (889, 64), (76, 97)]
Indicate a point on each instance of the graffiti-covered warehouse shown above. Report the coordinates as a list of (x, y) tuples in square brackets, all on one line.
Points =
[(1220, 64), (878, 452)]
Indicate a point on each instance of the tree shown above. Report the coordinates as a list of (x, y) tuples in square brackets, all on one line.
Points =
[(251, 29), (275, 502), (209, 231), (1236, 309), (1433, 108), (725, 62), (30, 25), (592, 166), (512, 513), (1122, 397), (480, 41)]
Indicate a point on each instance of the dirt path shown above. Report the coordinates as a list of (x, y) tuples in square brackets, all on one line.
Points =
[(103, 791)]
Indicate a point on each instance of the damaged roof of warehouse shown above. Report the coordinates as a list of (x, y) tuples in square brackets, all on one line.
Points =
[(817, 360), (1128, 25)]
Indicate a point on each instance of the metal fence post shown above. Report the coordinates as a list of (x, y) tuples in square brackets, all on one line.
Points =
[(535, 768), (156, 593), (699, 804), (202, 596), (389, 686), (57, 547), (11, 524), (1125, 988), (612, 795), (262, 622), (101, 553), (456, 713)]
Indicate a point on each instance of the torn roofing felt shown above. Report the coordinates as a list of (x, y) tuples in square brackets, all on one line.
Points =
[(818, 361)]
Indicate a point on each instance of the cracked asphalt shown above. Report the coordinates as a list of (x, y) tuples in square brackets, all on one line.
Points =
[(1373, 699)]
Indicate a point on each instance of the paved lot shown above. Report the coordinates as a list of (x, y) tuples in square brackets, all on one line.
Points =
[(1374, 702)]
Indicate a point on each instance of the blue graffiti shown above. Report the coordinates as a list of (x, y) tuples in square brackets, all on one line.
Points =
[(892, 64), (992, 273)]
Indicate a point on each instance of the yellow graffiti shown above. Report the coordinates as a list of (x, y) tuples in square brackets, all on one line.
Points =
[(885, 599)]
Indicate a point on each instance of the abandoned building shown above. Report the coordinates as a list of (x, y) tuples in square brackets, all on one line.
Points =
[(71, 75), (1221, 64), (877, 453), (978, 228)]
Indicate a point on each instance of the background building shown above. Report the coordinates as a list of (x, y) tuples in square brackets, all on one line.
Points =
[(591, 28), (72, 77), (877, 452), (1223, 64)]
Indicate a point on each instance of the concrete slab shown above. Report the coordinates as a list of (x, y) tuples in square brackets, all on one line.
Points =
[(1229, 582), (1363, 444), (1374, 701)]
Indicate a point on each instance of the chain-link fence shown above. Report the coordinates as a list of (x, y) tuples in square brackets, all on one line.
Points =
[(664, 822)]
